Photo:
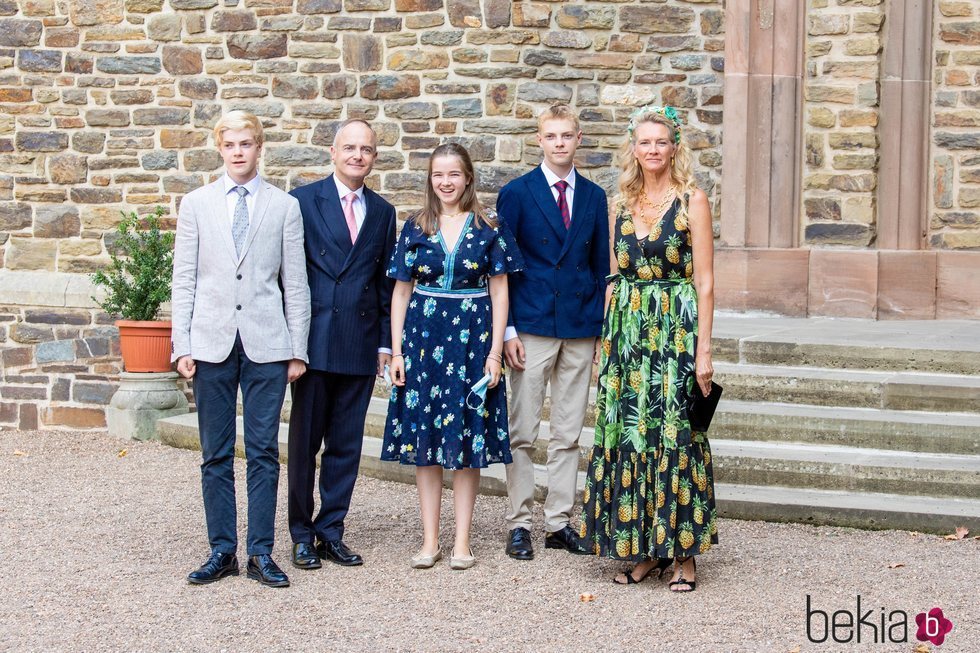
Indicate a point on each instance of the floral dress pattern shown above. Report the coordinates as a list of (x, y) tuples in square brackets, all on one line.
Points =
[(650, 490), (446, 339)]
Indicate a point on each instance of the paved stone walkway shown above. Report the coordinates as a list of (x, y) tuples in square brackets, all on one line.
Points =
[(95, 546)]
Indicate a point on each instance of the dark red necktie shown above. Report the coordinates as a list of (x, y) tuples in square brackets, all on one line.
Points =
[(566, 217)]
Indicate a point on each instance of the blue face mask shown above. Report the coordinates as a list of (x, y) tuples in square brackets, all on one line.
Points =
[(479, 390)]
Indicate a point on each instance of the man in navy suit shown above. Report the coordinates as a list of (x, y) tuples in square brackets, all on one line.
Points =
[(560, 220), (349, 236)]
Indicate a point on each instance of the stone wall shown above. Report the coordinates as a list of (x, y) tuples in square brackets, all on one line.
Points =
[(955, 215), (841, 98), (60, 364), (107, 105)]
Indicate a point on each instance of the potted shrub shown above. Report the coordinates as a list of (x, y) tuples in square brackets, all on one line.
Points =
[(136, 283)]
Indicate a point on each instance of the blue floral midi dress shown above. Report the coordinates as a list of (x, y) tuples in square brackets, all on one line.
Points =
[(445, 341)]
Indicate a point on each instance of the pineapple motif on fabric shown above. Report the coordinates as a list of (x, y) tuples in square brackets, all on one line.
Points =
[(650, 489)]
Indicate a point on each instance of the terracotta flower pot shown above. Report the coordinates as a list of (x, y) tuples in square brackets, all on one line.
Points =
[(145, 345)]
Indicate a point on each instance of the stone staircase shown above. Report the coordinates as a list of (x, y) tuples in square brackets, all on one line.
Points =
[(846, 422)]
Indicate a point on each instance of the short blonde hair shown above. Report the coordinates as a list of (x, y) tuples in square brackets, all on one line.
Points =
[(238, 120), (558, 112)]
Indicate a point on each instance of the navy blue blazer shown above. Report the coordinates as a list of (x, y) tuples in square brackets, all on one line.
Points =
[(561, 291), (350, 295)]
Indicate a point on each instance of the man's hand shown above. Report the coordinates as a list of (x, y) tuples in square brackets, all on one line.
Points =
[(186, 367), (296, 369), (383, 359), (514, 354)]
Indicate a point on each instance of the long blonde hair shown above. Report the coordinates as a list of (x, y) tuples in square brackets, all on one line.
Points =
[(681, 168), (428, 217)]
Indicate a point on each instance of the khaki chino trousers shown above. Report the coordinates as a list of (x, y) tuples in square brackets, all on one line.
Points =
[(567, 365)]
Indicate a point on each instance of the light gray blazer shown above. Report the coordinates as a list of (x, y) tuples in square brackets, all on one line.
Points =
[(215, 295)]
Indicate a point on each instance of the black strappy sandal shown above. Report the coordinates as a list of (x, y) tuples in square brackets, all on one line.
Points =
[(662, 565), (692, 584)]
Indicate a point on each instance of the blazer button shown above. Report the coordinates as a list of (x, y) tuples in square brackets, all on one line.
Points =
[(322, 252), (336, 310), (239, 277), (238, 308), (557, 293), (578, 294), (558, 267), (366, 287), (363, 313), (544, 241), (339, 281)]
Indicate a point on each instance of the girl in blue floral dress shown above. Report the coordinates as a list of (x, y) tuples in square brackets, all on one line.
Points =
[(448, 406)]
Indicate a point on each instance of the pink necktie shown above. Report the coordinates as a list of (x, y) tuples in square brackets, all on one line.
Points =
[(349, 215)]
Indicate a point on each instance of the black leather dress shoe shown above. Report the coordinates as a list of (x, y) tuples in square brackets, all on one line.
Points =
[(305, 557), (217, 566), (337, 552), (263, 569), (519, 544), (566, 539)]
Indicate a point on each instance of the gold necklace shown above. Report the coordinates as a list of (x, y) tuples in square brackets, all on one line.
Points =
[(658, 209)]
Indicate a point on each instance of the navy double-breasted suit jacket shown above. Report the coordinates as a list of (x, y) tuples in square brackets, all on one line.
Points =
[(560, 293), (349, 291)]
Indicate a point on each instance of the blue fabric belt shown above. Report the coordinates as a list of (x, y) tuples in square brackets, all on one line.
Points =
[(430, 291)]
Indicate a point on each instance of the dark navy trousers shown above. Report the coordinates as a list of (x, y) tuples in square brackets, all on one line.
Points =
[(329, 410), (216, 392)]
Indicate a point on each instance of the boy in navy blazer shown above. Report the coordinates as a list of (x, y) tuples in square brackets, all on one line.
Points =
[(349, 236), (560, 220)]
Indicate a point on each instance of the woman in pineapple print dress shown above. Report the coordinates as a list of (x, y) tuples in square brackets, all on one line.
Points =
[(649, 497), (448, 407)]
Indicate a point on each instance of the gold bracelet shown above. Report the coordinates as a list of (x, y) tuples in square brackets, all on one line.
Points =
[(497, 357)]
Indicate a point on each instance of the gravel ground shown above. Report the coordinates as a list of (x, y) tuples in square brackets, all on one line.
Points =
[(96, 545)]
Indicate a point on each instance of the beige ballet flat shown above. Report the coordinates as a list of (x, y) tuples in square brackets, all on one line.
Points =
[(422, 561), (462, 562)]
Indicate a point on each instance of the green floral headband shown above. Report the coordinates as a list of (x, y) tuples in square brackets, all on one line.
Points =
[(667, 112)]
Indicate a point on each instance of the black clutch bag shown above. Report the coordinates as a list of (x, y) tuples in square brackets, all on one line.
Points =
[(702, 408)]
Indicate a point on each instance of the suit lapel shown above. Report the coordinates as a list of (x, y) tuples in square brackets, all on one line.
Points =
[(220, 220), (331, 213), (581, 198), (262, 199), (541, 192), (372, 220)]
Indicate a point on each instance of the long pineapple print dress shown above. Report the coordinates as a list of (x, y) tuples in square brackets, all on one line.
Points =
[(649, 492)]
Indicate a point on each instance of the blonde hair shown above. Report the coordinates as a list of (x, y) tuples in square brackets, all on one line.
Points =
[(238, 120), (681, 168), (558, 112), (428, 217)]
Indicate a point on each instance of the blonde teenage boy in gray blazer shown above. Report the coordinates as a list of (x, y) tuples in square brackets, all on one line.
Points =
[(241, 318)]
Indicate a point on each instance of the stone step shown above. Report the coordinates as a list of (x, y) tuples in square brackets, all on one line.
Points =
[(896, 394), (771, 503), (872, 428), (818, 466), (832, 467), (946, 346), (856, 388), (876, 428)]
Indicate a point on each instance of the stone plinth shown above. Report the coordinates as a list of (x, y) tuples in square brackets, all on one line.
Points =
[(140, 401)]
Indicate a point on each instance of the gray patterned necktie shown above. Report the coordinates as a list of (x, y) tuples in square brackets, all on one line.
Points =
[(239, 228)]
